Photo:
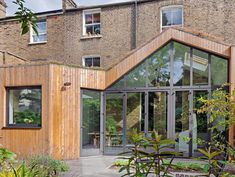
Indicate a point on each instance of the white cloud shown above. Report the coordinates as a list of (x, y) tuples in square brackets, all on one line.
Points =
[(46, 5)]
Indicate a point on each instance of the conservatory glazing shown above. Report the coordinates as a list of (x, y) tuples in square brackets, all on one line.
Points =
[(160, 94)]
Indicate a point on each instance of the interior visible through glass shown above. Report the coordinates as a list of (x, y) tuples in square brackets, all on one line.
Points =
[(182, 122), (114, 120), (91, 119), (24, 107), (135, 113), (157, 111)]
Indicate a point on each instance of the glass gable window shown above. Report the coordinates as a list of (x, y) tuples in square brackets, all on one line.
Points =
[(91, 22), (159, 68), (200, 67), (171, 16), (181, 65), (42, 32), (24, 106), (176, 65)]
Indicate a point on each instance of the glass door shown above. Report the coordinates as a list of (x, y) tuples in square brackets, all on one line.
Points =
[(114, 123), (200, 123), (181, 120), (158, 112), (90, 124), (135, 114)]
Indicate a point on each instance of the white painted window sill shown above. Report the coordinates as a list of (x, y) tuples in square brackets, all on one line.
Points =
[(91, 37), (35, 43)]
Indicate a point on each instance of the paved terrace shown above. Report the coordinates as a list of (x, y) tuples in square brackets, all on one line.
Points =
[(95, 166)]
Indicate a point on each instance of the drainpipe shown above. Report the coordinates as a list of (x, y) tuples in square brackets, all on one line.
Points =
[(136, 22), (134, 25)]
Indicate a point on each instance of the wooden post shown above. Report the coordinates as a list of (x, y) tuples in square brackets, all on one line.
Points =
[(232, 87)]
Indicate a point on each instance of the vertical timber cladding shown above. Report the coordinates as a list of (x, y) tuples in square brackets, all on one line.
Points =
[(66, 84), (25, 142), (232, 87)]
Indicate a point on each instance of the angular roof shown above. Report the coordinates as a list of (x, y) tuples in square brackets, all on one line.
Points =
[(191, 38)]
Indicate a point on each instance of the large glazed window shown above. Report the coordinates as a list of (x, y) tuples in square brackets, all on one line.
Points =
[(24, 107)]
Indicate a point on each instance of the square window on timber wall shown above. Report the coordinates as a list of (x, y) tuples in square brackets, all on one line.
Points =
[(171, 16), (91, 61), (91, 22), (24, 107), (42, 32)]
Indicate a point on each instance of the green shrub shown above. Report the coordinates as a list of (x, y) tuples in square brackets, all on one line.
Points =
[(21, 171), (47, 166), (6, 157)]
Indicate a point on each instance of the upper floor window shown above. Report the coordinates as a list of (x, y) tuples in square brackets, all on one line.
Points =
[(171, 16), (42, 32), (91, 61), (91, 22), (24, 106)]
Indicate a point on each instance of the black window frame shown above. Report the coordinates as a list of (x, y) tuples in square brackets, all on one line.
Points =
[(23, 126)]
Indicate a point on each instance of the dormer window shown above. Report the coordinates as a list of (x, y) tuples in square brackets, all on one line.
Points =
[(42, 32), (91, 22), (171, 16)]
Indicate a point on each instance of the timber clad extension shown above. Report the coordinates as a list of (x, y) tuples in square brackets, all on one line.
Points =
[(125, 41)]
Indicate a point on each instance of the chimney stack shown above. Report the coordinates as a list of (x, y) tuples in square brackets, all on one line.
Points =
[(68, 4), (2, 9)]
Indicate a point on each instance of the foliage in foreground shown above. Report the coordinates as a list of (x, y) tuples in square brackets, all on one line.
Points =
[(148, 156), (26, 17), (47, 166), (39, 166), (221, 110)]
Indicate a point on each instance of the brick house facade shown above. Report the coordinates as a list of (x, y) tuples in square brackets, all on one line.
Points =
[(118, 28)]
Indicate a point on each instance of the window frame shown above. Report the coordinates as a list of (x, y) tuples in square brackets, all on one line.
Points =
[(171, 7), (44, 20), (84, 25), (90, 56), (24, 126)]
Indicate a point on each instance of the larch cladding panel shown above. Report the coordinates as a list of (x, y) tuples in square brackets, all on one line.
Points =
[(25, 142), (65, 106), (65, 112)]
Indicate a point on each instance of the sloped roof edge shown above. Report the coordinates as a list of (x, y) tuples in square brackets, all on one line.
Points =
[(186, 37)]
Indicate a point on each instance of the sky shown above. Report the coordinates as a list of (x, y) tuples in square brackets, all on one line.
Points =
[(46, 5)]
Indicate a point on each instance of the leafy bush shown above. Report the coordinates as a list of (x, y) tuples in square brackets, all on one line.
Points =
[(21, 171), (47, 166), (6, 157), (148, 156)]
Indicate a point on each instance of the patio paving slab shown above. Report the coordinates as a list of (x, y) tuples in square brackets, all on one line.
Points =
[(95, 166)]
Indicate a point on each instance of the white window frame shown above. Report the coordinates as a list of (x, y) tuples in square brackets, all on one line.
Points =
[(171, 7), (90, 11), (32, 32), (90, 56)]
